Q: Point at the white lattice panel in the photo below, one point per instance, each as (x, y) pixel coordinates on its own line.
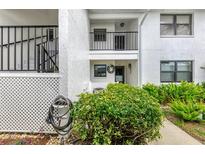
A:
(24, 103)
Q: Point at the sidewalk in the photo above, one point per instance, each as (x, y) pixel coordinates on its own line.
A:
(173, 135)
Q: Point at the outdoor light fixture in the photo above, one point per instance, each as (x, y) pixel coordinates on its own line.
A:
(130, 67)
(122, 24)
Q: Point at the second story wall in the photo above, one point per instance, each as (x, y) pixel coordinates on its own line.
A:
(156, 48)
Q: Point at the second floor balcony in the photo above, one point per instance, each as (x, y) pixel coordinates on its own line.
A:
(116, 41)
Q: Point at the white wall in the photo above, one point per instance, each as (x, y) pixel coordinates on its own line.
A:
(28, 17)
(74, 52)
(156, 48)
(131, 76)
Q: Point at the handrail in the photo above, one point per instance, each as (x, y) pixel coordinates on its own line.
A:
(12, 43)
(50, 58)
(26, 26)
(23, 42)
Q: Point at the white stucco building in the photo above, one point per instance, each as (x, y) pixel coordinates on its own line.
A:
(44, 53)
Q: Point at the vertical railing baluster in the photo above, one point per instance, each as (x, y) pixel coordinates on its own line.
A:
(42, 59)
(21, 48)
(38, 58)
(136, 35)
(14, 48)
(47, 56)
(55, 45)
(34, 48)
(2, 41)
(28, 48)
(8, 48)
(42, 52)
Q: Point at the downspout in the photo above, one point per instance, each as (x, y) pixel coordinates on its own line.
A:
(140, 51)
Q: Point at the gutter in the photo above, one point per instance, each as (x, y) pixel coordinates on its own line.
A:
(140, 52)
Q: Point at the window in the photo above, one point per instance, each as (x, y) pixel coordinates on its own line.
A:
(50, 34)
(100, 70)
(176, 71)
(99, 34)
(176, 24)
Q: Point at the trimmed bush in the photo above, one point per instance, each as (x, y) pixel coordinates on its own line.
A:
(121, 114)
(189, 111)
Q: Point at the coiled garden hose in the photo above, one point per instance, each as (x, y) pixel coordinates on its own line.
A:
(59, 115)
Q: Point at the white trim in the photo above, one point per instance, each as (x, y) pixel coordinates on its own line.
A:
(29, 75)
(108, 52)
(176, 36)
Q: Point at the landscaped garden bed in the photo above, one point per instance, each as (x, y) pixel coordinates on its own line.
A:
(27, 139)
(195, 129)
(123, 114)
(183, 104)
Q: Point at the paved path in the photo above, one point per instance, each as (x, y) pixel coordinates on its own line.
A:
(173, 135)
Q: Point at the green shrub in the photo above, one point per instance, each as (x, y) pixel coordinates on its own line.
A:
(152, 89)
(203, 84)
(189, 111)
(121, 114)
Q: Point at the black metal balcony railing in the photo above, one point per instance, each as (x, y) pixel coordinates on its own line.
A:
(29, 48)
(114, 41)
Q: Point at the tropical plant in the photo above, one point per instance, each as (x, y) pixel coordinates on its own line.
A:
(189, 111)
(120, 114)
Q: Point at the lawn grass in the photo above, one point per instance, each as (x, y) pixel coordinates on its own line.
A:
(195, 129)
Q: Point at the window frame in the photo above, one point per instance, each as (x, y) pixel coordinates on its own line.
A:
(174, 24)
(104, 35)
(175, 70)
(95, 65)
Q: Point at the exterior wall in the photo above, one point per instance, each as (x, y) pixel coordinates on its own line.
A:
(74, 52)
(156, 48)
(131, 76)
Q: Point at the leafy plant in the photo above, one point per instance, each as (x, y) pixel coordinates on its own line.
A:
(152, 89)
(184, 91)
(120, 114)
(189, 111)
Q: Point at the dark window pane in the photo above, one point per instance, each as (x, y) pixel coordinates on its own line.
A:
(183, 19)
(167, 76)
(100, 70)
(183, 30)
(183, 76)
(166, 29)
(99, 34)
(184, 66)
(167, 66)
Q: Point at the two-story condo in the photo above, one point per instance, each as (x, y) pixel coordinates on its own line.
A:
(44, 53)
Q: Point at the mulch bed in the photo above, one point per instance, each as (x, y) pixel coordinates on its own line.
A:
(36, 139)
(27, 139)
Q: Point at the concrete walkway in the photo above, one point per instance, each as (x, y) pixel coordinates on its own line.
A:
(173, 135)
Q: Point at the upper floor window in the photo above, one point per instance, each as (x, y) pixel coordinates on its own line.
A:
(175, 24)
(99, 34)
(176, 71)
